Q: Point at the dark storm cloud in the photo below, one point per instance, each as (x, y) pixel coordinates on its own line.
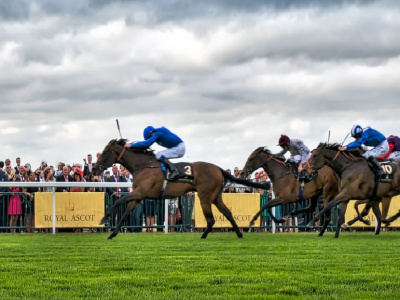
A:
(228, 76)
(164, 11)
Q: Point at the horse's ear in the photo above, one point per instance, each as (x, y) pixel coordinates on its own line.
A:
(121, 142)
(266, 150)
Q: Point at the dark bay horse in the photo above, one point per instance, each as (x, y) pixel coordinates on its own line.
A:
(357, 179)
(149, 179)
(285, 184)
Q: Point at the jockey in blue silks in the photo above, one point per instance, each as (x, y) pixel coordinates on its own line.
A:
(162, 136)
(372, 138)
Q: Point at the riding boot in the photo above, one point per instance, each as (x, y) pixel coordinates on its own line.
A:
(173, 170)
(378, 168)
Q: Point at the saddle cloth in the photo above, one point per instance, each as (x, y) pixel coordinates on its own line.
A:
(185, 172)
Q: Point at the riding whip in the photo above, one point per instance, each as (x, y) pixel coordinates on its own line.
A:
(329, 135)
(119, 129)
(344, 139)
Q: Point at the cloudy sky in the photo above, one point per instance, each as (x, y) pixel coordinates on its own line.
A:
(227, 76)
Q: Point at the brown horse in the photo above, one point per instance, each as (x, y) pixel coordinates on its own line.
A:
(357, 179)
(285, 184)
(149, 183)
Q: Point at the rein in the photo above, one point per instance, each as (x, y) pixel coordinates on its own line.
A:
(275, 159)
(122, 153)
(349, 156)
(146, 165)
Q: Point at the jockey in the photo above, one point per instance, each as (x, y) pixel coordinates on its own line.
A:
(162, 136)
(299, 152)
(372, 138)
(394, 149)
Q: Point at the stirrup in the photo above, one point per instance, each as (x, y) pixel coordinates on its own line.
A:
(172, 174)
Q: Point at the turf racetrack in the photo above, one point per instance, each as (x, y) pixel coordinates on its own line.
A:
(181, 266)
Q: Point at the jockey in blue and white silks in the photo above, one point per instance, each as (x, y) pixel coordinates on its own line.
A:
(163, 137)
(372, 138)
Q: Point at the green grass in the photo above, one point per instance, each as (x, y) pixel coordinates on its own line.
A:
(181, 266)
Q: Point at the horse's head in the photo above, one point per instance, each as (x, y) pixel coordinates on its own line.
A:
(255, 161)
(320, 155)
(109, 156)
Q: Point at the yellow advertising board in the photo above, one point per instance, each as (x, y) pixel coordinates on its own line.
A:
(73, 210)
(393, 209)
(242, 206)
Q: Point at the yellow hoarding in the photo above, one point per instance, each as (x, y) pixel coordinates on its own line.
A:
(242, 206)
(73, 210)
(393, 209)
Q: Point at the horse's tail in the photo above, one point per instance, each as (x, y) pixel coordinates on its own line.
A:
(231, 178)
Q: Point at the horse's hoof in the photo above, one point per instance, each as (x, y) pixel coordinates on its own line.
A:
(103, 221)
(251, 224)
(110, 238)
(345, 226)
(310, 224)
(367, 222)
(240, 236)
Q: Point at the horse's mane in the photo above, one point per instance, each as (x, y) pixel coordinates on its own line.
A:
(122, 143)
(268, 151)
(335, 146)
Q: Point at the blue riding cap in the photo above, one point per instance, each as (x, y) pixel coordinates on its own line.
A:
(357, 129)
(147, 131)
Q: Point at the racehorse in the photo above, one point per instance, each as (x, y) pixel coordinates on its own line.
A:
(149, 182)
(285, 184)
(358, 181)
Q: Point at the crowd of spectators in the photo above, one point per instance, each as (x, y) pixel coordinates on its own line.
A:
(17, 204)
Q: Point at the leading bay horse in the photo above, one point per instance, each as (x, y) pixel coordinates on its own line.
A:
(357, 179)
(286, 187)
(149, 183)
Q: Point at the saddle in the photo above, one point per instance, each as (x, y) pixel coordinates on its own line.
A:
(185, 172)
(303, 176)
(389, 169)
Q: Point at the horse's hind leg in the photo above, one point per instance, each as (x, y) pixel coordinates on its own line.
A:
(209, 218)
(360, 216)
(129, 209)
(227, 213)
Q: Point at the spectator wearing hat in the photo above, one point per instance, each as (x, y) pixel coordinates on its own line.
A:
(78, 177)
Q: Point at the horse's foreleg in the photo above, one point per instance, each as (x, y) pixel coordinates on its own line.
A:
(129, 209)
(341, 216)
(269, 205)
(327, 220)
(341, 197)
(310, 207)
(378, 216)
(122, 200)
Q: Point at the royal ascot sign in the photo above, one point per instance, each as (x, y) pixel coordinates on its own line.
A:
(73, 210)
(243, 208)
